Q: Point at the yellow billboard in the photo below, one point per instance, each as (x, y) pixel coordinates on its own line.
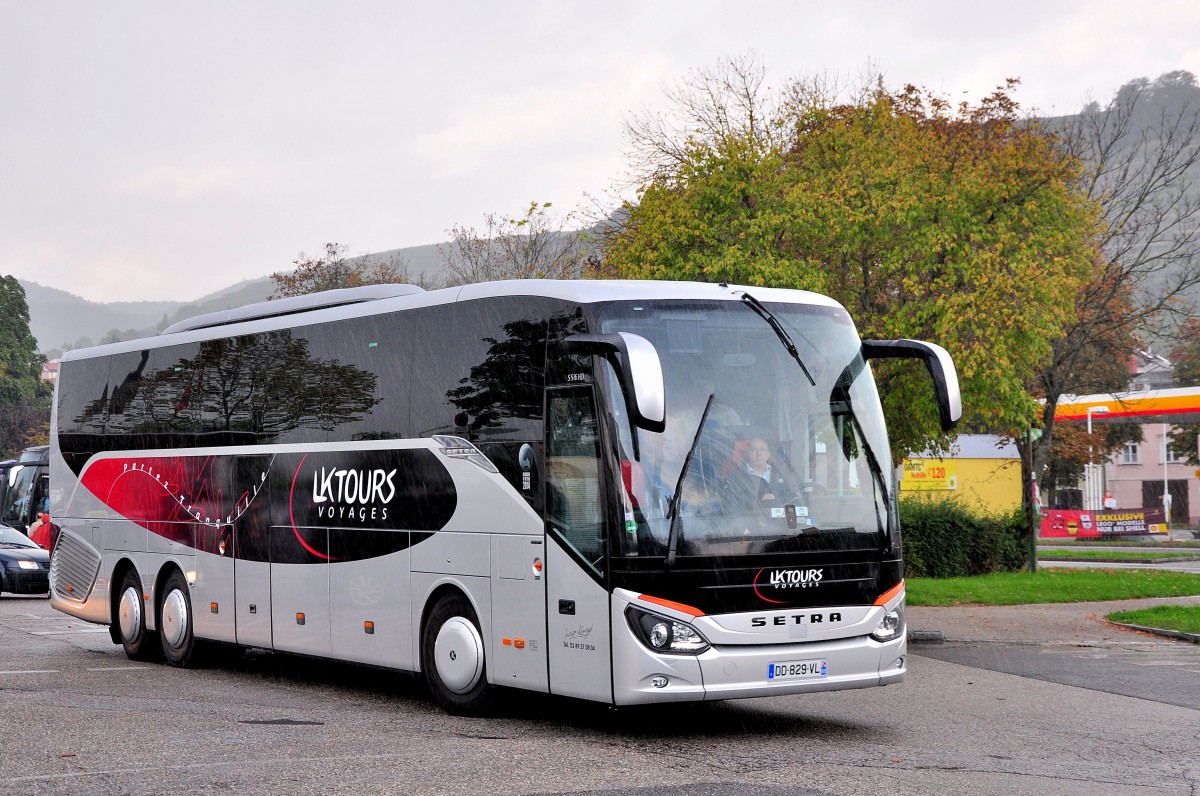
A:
(930, 474)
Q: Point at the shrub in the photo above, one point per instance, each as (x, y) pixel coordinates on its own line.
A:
(944, 539)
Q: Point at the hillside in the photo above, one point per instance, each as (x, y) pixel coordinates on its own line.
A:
(60, 320)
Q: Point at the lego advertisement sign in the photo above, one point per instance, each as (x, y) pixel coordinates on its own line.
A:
(1064, 524)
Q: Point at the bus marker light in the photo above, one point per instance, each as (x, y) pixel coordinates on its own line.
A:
(506, 642)
(299, 619)
(887, 596)
(519, 643)
(369, 628)
(213, 607)
(537, 568)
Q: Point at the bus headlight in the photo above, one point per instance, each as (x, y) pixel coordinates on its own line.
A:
(664, 635)
(890, 626)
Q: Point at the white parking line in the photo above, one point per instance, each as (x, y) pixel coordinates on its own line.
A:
(68, 632)
(120, 669)
(31, 671)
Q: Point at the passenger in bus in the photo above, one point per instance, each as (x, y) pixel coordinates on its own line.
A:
(698, 494)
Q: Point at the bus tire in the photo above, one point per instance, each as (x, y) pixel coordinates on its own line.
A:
(452, 657)
(138, 642)
(175, 622)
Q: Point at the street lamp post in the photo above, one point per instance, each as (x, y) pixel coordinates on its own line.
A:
(1166, 480)
(1091, 496)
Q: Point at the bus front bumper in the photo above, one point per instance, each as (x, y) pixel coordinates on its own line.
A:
(739, 672)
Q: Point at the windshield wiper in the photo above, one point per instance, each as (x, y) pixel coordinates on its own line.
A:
(676, 499)
(780, 332)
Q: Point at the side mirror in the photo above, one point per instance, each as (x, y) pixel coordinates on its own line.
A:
(639, 370)
(937, 361)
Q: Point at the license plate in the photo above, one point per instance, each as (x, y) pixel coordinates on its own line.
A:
(796, 669)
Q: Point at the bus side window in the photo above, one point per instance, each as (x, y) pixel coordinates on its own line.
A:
(572, 473)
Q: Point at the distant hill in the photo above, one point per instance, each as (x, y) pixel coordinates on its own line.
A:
(60, 320)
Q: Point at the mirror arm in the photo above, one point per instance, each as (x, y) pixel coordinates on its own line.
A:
(609, 346)
(937, 362)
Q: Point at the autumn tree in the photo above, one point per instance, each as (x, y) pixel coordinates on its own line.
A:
(335, 271)
(1140, 158)
(1185, 437)
(957, 224)
(536, 245)
(24, 398)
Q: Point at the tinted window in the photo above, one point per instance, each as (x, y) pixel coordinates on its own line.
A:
(82, 407)
(151, 397)
(363, 370)
(479, 369)
(274, 387)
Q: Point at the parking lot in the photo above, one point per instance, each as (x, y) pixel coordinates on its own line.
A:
(80, 718)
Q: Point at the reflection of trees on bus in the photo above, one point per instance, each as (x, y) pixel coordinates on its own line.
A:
(508, 382)
(261, 385)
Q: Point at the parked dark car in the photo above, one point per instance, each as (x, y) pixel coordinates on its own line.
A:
(24, 567)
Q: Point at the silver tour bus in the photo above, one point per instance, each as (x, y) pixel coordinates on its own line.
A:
(627, 492)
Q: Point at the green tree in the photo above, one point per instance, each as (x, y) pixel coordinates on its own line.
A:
(956, 224)
(24, 398)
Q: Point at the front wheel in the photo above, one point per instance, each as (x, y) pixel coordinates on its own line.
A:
(452, 657)
(175, 622)
(139, 643)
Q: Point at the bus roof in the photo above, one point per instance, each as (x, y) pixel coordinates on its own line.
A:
(324, 307)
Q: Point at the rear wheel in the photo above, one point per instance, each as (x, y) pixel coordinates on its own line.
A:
(139, 644)
(452, 657)
(175, 622)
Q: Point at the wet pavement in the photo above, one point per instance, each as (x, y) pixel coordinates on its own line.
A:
(1068, 643)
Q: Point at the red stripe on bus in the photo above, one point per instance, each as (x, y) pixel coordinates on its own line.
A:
(682, 608)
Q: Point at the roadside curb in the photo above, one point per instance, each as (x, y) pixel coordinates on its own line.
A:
(926, 637)
(1178, 560)
(1194, 638)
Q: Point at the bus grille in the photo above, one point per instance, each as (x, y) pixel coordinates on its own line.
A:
(73, 567)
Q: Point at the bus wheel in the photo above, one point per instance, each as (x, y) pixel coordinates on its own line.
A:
(139, 644)
(175, 621)
(452, 657)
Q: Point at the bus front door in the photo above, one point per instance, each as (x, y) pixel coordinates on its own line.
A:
(577, 604)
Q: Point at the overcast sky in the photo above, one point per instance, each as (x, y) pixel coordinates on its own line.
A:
(163, 150)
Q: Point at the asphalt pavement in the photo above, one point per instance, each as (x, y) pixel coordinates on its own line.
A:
(1067, 643)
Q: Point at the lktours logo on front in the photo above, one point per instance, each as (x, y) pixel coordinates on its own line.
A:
(352, 494)
(795, 578)
(783, 579)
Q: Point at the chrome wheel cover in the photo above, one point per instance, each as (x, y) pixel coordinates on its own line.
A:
(129, 614)
(458, 655)
(174, 619)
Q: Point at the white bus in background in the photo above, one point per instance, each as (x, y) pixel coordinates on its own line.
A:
(535, 484)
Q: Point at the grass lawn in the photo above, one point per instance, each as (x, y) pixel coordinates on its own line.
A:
(1183, 618)
(1051, 586)
(1115, 555)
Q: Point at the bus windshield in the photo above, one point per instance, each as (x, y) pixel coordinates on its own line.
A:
(753, 452)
